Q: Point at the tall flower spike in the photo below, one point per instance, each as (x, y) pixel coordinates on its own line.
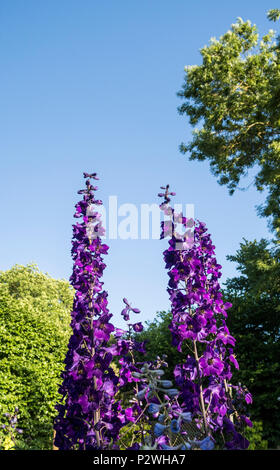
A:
(86, 410)
(199, 322)
(166, 194)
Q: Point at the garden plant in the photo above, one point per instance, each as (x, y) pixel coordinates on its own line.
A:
(111, 401)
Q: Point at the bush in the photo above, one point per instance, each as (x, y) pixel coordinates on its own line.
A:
(34, 333)
(255, 436)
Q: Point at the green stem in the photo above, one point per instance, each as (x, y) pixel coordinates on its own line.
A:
(96, 414)
(201, 399)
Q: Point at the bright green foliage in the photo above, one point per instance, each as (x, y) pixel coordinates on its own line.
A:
(254, 320)
(274, 14)
(232, 99)
(34, 333)
(132, 433)
(254, 436)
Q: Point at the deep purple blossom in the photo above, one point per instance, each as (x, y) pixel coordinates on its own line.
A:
(199, 321)
(87, 414)
(211, 364)
(126, 311)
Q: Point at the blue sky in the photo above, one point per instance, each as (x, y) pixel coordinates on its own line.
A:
(91, 86)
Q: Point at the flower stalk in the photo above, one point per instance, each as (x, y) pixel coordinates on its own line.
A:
(87, 410)
(199, 318)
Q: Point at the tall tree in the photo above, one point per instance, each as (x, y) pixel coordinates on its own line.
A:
(254, 320)
(233, 99)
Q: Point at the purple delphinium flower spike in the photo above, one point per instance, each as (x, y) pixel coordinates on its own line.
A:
(87, 415)
(199, 320)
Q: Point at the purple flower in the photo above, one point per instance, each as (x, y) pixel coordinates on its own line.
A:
(247, 421)
(109, 388)
(91, 175)
(125, 313)
(232, 359)
(129, 414)
(192, 327)
(248, 398)
(211, 364)
(237, 442)
(137, 327)
(225, 337)
(162, 440)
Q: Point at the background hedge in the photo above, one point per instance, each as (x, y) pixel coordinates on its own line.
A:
(34, 333)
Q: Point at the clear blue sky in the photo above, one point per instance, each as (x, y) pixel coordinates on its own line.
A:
(91, 86)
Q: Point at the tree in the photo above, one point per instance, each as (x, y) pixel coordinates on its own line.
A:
(234, 97)
(254, 320)
(34, 333)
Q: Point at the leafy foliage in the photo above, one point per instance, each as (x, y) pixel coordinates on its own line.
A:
(274, 14)
(34, 332)
(254, 435)
(233, 96)
(255, 321)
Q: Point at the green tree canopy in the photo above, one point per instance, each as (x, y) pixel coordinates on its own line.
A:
(254, 320)
(34, 333)
(232, 100)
